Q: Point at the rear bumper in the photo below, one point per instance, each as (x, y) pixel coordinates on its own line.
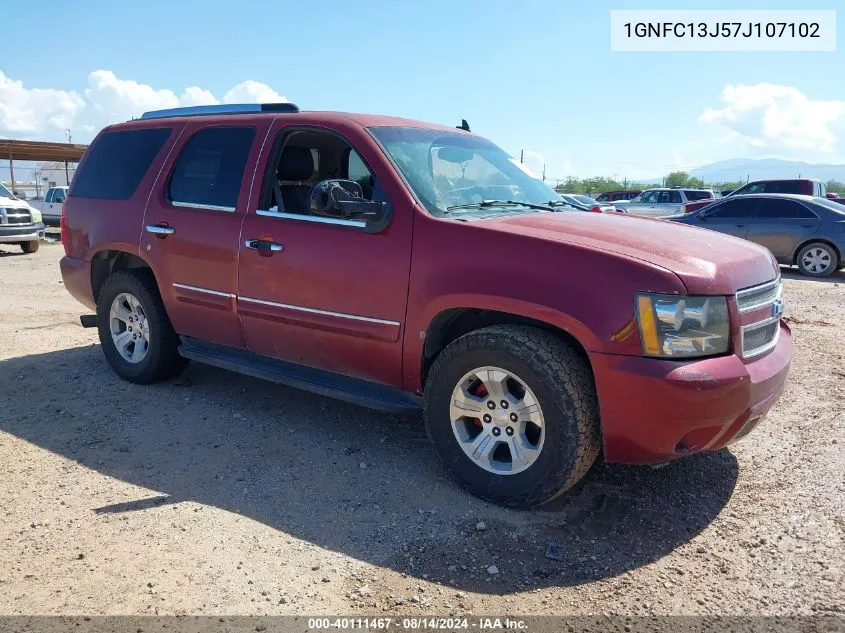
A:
(12, 233)
(655, 410)
(76, 274)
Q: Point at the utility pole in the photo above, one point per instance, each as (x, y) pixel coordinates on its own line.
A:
(67, 133)
(521, 155)
(544, 172)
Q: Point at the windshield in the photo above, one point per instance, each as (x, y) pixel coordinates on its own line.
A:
(5, 193)
(447, 170)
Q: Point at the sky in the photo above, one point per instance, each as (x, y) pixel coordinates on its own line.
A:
(535, 76)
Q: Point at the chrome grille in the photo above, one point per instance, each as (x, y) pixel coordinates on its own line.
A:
(761, 336)
(15, 216)
(759, 296)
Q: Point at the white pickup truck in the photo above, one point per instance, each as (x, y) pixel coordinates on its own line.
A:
(51, 206)
(19, 223)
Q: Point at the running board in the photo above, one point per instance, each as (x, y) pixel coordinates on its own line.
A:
(354, 390)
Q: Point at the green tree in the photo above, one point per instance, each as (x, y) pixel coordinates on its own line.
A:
(834, 186)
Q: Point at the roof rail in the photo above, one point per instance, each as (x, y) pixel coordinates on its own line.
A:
(226, 108)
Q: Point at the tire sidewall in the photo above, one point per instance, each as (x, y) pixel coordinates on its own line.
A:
(112, 288)
(834, 263)
(558, 456)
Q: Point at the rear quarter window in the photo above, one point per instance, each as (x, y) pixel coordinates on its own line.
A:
(117, 162)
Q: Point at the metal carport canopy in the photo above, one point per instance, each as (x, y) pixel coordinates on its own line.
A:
(41, 151)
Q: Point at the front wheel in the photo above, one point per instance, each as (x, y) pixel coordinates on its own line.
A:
(817, 260)
(136, 335)
(513, 414)
(30, 246)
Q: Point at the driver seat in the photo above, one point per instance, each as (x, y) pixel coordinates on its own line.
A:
(296, 165)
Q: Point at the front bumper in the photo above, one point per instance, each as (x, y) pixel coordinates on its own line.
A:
(657, 410)
(13, 233)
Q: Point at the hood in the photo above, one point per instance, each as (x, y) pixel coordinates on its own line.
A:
(707, 262)
(13, 203)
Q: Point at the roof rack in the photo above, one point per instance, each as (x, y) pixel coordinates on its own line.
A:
(227, 108)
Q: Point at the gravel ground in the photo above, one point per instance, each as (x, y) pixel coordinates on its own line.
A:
(220, 494)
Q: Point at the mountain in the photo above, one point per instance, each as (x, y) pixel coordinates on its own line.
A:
(762, 169)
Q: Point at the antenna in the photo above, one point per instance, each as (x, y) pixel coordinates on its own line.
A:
(464, 126)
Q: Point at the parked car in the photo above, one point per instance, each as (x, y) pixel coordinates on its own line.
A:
(19, 223)
(358, 257)
(802, 186)
(619, 196)
(665, 201)
(588, 202)
(799, 230)
(51, 206)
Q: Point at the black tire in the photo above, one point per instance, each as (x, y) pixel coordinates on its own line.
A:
(162, 360)
(31, 246)
(831, 252)
(563, 385)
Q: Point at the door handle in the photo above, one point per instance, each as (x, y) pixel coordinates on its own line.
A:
(740, 225)
(265, 246)
(159, 229)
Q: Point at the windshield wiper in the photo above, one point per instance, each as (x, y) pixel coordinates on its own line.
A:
(500, 203)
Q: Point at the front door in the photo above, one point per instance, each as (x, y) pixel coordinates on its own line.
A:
(324, 292)
(192, 226)
(731, 216)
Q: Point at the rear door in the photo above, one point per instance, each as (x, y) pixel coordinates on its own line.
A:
(192, 226)
(732, 216)
(781, 225)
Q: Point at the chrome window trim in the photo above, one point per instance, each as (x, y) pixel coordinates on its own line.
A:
(342, 315)
(776, 283)
(359, 224)
(205, 207)
(216, 293)
(754, 326)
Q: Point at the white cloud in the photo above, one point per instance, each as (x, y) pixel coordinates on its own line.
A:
(253, 92)
(35, 111)
(45, 113)
(775, 118)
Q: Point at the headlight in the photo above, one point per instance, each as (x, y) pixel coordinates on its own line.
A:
(673, 326)
(36, 215)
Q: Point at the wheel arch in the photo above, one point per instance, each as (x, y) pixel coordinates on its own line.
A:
(106, 262)
(452, 323)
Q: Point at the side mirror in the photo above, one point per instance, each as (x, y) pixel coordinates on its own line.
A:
(344, 199)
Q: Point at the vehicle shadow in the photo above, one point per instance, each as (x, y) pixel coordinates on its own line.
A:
(791, 272)
(347, 479)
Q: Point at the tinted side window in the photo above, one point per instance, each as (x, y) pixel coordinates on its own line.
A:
(733, 209)
(49, 196)
(698, 195)
(211, 167)
(603, 198)
(116, 163)
(783, 186)
(783, 209)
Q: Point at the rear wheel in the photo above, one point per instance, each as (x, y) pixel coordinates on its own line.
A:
(817, 260)
(30, 247)
(136, 335)
(513, 414)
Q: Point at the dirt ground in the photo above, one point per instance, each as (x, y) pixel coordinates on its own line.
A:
(220, 494)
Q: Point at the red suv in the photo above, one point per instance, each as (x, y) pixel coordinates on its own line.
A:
(802, 186)
(407, 266)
